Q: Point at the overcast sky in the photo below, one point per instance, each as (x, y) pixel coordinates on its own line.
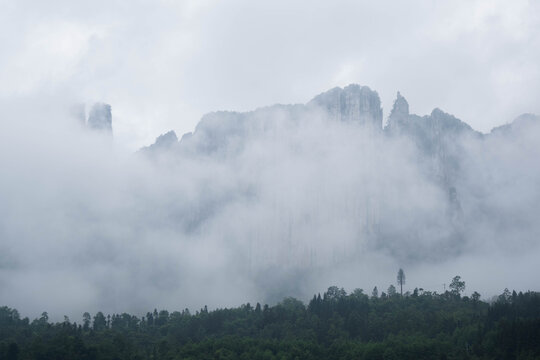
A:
(163, 64)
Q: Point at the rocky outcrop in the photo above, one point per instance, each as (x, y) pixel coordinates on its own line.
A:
(399, 114)
(164, 142)
(100, 118)
(354, 103)
(437, 149)
(225, 132)
(437, 137)
(522, 123)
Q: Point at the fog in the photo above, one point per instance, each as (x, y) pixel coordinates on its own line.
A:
(263, 203)
(163, 64)
(253, 207)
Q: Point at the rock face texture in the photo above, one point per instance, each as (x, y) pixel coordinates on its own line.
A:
(436, 137)
(439, 139)
(226, 131)
(100, 118)
(354, 103)
(522, 123)
(399, 114)
(164, 142)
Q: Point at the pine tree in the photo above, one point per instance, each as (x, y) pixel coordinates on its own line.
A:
(401, 280)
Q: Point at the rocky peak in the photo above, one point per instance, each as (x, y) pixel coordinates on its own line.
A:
(163, 142)
(399, 113)
(354, 103)
(448, 124)
(100, 117)
(166, 140)
(522, 123)
(438, 113)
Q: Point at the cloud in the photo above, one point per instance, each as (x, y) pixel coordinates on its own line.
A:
(280, 201)
(90, 227)
(164, 64)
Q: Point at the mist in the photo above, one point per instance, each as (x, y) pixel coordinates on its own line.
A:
(252, 207)
(164, 64)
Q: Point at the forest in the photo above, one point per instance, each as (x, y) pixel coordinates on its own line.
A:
(335, 325)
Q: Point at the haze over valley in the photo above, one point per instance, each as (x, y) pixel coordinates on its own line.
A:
(255, 206)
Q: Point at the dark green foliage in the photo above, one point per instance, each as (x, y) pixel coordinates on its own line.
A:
(457, 285)
(335, 325)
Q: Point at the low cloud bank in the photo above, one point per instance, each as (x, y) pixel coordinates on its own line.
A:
(285, 200)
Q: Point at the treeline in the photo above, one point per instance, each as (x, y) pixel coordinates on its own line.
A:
(336, 325)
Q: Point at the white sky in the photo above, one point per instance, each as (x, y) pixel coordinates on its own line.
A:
(163, 64)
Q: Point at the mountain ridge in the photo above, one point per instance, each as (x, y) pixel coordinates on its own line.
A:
(445, 152)
(341, 104)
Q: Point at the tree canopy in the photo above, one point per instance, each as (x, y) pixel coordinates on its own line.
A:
(336, 325)
(457, 285)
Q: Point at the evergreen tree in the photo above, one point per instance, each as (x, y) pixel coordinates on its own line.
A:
(391, 291)
(86, 321)
(100, 322)
(401, 280)
(457, 285)
(340, 325)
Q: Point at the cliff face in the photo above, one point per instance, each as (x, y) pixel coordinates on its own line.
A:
(399, 114)
(437, 137)
(225, 132)
(164, 142)
(520, 125)
(330, 163)
(100, 118)
(354, 103)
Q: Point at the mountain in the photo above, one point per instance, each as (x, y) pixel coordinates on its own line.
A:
(269, 203)
(99, 117)
(412, 184)
(434, 133)
(354, 103)
(163, 142)
(521, 125)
